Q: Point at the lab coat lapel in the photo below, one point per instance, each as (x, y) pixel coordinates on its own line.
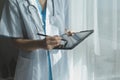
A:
(33, 12)
(51, 28)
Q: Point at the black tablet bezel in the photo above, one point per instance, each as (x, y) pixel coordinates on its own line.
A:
(91, 31)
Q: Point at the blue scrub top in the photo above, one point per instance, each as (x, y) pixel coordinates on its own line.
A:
(43, 13)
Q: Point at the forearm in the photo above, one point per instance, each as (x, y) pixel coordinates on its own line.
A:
(28, 45)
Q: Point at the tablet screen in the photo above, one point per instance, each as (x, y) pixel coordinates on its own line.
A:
(69, 42)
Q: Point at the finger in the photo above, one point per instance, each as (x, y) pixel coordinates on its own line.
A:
(70, 33)
(57, 42)
(49, 47)
(55, 38)
(53, 41)
(50, 44)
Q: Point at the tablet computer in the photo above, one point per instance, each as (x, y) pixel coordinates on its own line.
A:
(70, 42)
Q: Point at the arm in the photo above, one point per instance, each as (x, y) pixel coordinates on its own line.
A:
(10, 26)
(30, 45)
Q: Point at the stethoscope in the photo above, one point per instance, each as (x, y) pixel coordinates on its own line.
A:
(32, 6)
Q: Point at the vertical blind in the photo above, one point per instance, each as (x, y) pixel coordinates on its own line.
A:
(96, 58)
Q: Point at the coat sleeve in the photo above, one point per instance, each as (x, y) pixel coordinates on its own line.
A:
(10, 23)
(67, 14)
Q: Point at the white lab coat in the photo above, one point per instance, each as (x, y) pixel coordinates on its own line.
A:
(17, 22)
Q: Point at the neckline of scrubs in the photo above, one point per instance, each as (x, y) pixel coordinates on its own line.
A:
(43, 13)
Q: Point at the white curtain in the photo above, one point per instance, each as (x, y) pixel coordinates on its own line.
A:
(98, 57)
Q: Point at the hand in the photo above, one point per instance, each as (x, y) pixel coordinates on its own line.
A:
(51, 42)
(69, 33)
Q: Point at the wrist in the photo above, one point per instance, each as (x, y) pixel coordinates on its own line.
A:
(42, 43)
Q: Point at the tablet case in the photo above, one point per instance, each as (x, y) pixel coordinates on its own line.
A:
(70, 42)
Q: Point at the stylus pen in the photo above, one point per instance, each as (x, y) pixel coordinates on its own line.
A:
(41, 34)
(47, 35)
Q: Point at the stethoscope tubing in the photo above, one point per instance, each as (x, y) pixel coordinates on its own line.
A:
(53, 7)
(32, 6)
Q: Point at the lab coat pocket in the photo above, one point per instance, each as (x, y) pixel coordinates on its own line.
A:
(23, 69)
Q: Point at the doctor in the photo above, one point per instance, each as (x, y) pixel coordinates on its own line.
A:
(22, 20)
